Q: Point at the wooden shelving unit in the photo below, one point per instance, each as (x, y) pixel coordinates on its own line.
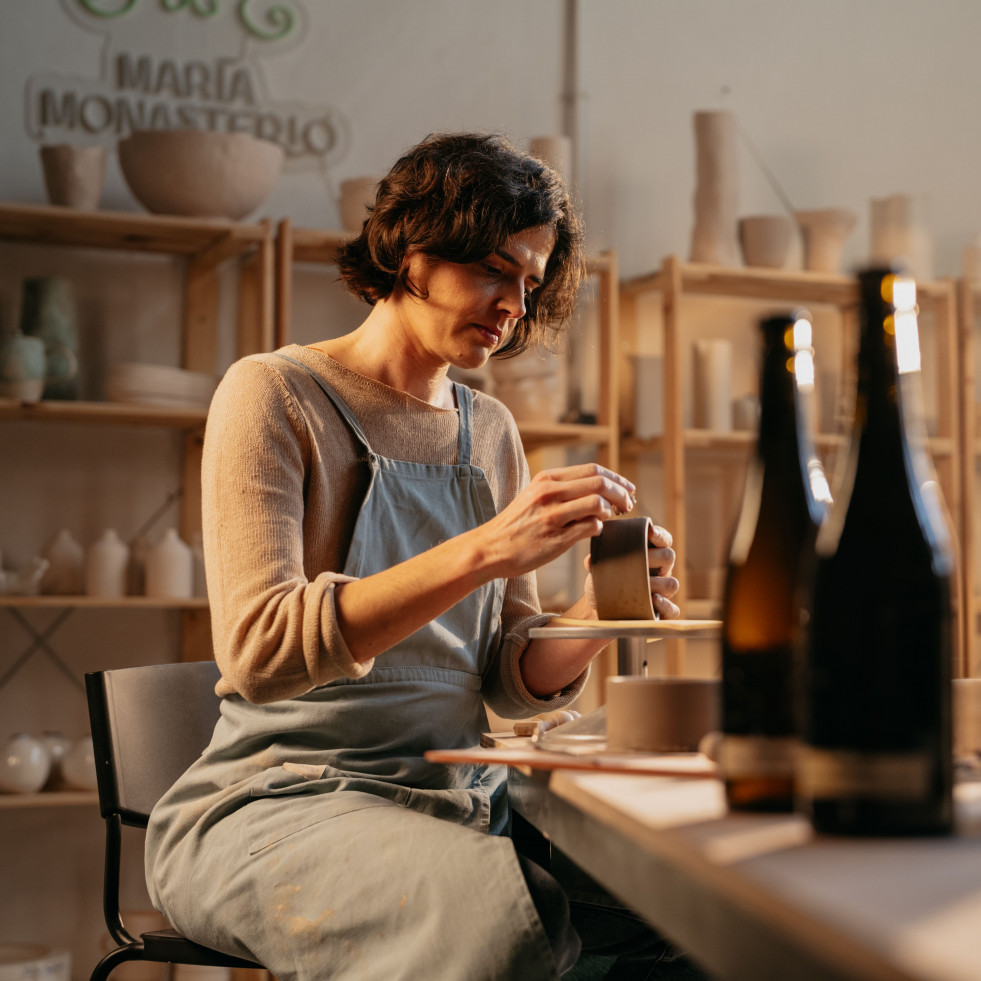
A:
(675, 282)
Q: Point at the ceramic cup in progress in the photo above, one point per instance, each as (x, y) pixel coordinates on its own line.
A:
(660, 715)
(621, 575)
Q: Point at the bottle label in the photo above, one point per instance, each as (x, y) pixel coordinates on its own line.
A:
(824, 773)
(758, 756)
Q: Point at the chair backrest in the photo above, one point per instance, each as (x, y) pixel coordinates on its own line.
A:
(148, 725)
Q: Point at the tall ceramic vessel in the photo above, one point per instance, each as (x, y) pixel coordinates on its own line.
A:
(714, 237)
(48, 312)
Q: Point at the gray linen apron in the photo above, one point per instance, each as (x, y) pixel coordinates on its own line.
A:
(314, 836)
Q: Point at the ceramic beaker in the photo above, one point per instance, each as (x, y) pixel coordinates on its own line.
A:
(48, 313)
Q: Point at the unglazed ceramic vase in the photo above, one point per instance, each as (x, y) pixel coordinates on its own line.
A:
(170, 568)
(825, 231)
(357, 195)
(765, 240)
(106, 566)
(714, 236)
(66, 570)
(898, 230)
(199, 173)
(74, 175)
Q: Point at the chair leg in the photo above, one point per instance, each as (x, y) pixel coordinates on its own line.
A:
(113, 959)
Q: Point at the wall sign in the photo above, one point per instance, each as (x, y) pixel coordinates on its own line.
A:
(184, 64)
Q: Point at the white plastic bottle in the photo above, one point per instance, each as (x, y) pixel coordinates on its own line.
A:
(106, 564)
(170, 568)
(66, 573)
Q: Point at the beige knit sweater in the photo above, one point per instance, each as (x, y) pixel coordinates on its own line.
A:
(283, 479)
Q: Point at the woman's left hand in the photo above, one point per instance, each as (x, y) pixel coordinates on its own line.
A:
(660, 560)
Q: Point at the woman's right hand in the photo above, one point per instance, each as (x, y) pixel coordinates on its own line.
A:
(556, 509)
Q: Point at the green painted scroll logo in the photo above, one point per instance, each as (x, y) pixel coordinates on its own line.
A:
(276, 23)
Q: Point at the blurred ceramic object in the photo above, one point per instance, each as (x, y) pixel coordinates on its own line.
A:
(78, 765)
(48, 312)
(170, 568)
(201, 972)
(899, 231)
(28, 580)
(66, 566)
(106, 565)
(357, 196)
(712, 407)
(765, 240)
(34, 962)
(824, 231)
(716, 198)
(556, 151)
(199, 173)
(660, 715)
(534, 399)
(22, 367)
(648, 395)
(58, 746)
(74, 175)
(746, 413)
(24, 764)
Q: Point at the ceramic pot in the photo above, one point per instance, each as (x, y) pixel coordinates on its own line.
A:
(22, 367)
(74, 175)
(712, 402)
(106, 565)
(24, 764)
(357, 196)
(556, 151)
(78, 765)
(58, 746)
(765, 240)
(660, 715)
(716, 197)
(48, 312)
(170, 568)
(66, 570)
(899, 231)
(824, 231)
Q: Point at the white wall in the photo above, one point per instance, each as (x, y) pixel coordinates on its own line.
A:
(845, 99)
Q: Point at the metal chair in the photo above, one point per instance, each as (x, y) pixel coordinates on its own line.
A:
(148, 725)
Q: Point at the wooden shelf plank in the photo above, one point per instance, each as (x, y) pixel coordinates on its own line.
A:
(119, 413)
(102, 603)
(316, 245)
(539, 435)
(50, 798)
(51, 225)
(771, 284)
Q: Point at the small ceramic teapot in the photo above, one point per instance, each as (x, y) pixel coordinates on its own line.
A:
(24, 362)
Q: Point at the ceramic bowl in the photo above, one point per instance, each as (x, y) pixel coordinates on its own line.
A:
(199, 173)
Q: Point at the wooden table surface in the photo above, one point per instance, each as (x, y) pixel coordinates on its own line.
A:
(761, 897)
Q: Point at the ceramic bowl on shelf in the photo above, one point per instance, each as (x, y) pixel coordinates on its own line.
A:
(199, 173)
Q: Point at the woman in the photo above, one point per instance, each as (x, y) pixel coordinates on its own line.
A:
(371, 537)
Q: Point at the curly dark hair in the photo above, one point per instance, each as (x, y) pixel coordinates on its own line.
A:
(459, 197)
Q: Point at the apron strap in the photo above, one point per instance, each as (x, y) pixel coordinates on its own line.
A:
(342, 407)
(464, 402)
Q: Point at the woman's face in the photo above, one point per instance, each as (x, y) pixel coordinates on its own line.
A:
(469, 308)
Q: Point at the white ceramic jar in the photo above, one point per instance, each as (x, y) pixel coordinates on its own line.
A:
(106, 564)
(78, 765)
(66, 572)
(170, 568)
(24, 764)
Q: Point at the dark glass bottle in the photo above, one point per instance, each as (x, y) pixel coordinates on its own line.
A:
(876, 753)
(785, 501)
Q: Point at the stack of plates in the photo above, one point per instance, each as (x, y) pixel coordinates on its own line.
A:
(154, 384)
